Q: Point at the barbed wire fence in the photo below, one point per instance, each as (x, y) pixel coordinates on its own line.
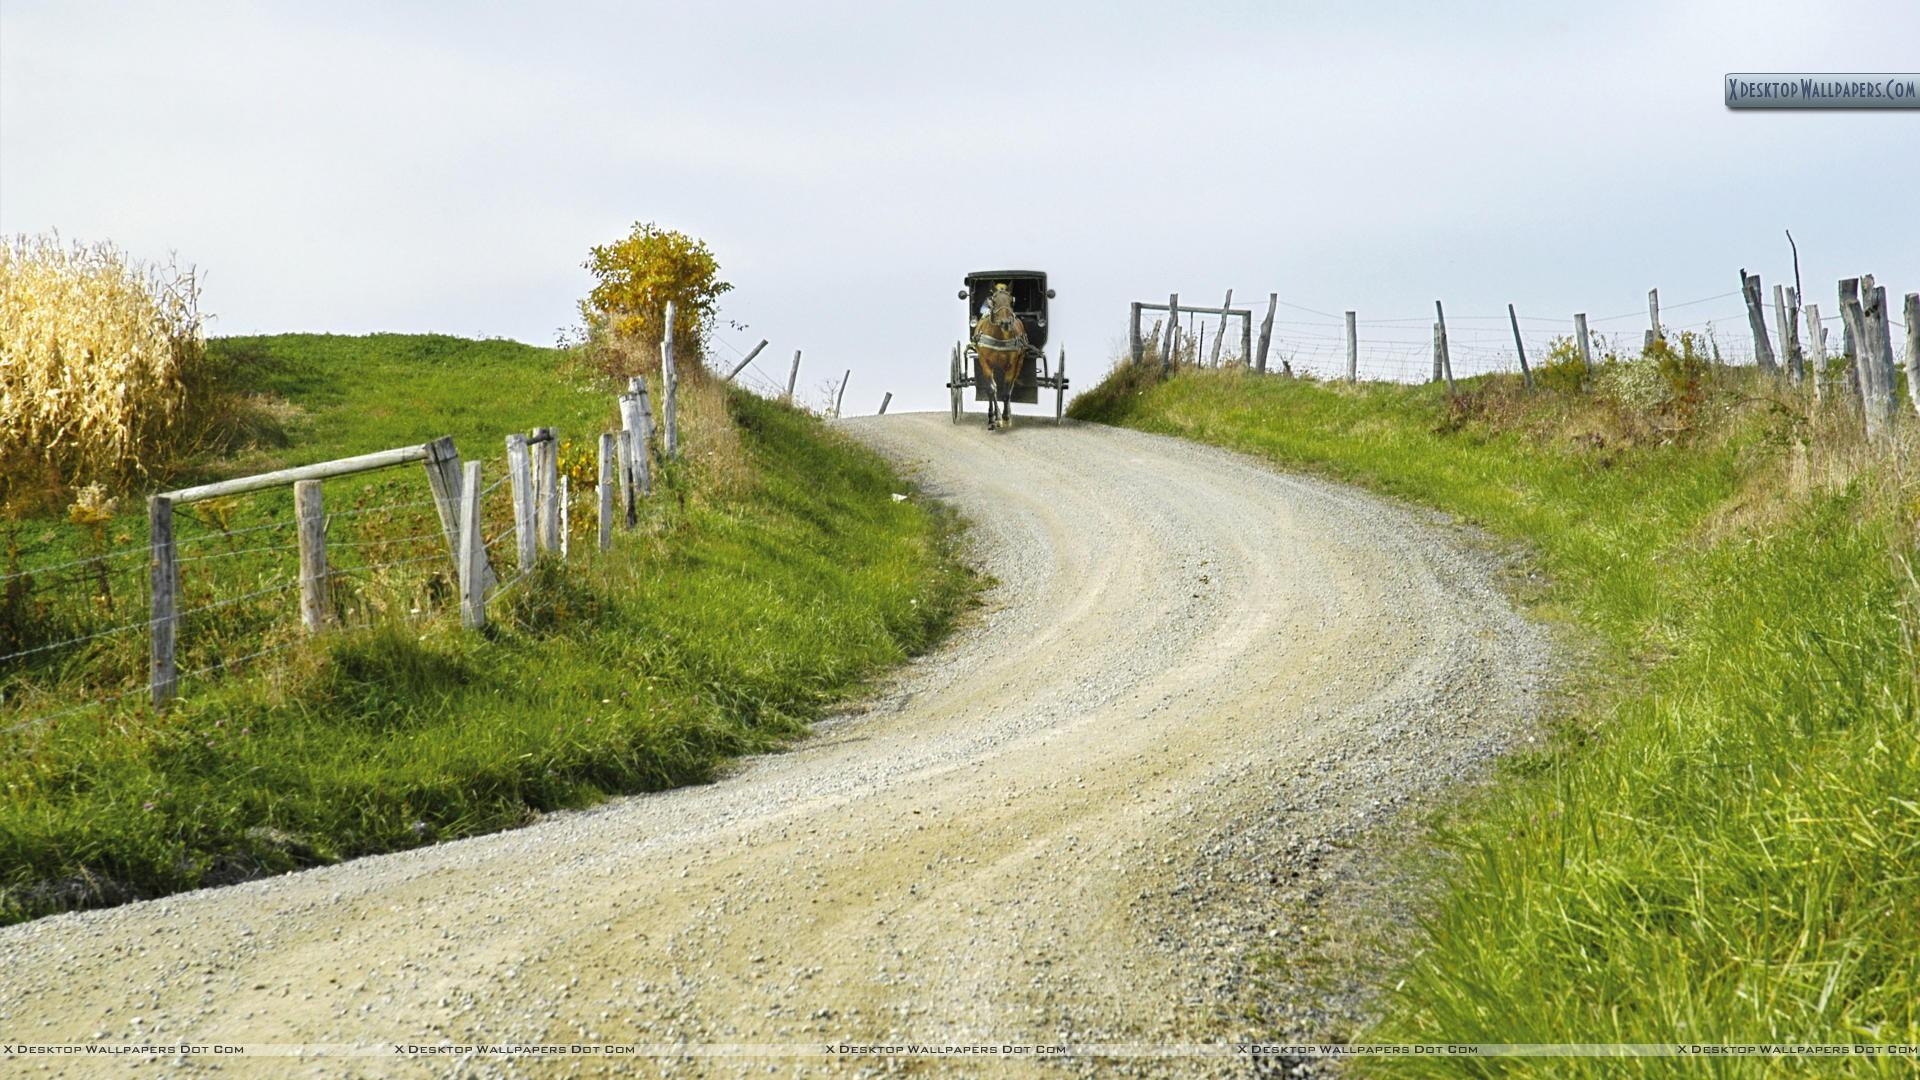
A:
(231, 573)
(1732, 328)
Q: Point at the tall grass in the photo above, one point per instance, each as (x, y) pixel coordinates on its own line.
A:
(1723, 844)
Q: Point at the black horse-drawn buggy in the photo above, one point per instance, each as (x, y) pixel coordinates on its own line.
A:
(1004, 354)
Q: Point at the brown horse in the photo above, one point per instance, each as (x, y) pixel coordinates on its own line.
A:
(1000, 338)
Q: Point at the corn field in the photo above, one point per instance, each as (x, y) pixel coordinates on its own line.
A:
(97, 356)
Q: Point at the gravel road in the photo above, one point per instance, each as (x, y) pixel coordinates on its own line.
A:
(1154, 758)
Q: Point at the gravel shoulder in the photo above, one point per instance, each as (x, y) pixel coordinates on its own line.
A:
(1196, 687)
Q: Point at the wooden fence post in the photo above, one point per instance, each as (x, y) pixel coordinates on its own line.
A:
(629, 499)
(1526, 373)
(565, 524)
(1865, 367)
(1173, 332)
(742, 365)
(1353, 348)
(636, 469)
(520, 474)
(1876, 312)
(842, 395)
(163, 678)
(311, 516)
(1221, 334)
(884, 401)
(1135, 347)
(792, 375)
(1266, 332)
(546, 487)
(1786, 303)
(609, 457)
(473, 551)
(1757, 320)
(1586, 342)
(669, 392)
(1816, 361)
(1911, 311)
(1653, 318)
(1200, 349)
(1446, 357)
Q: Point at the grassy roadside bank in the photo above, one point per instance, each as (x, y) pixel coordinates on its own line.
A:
(1724, 847)
(759, 590)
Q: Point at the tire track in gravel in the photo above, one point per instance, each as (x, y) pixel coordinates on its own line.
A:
(1070, 824)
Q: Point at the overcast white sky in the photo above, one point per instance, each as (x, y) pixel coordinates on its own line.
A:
(412, 166)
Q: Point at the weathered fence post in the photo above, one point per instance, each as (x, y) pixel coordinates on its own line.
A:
(884, 401)
(609, 457)
(565, 524)
(1865, 364)
(1173, 332)
(1653, 318)
(1876, 314)
(1435, 376)
(311, 517)
(1446, 357)
(1786, 310)
(1912, 312)
(1817, 345)
(842, 395)
(520, 474)
(1580, 333)
(1526, 373)
(1200, 349)
(633, 460)
(1221, 334)
(1266, 332)
(629, 498)
(1757, 320)
(1353, 347)
(748, 359)
(792, 374)
(643, 442)
(473, 552)
(546, 487)
(163, 618)
(669, 393)
(1135, 347)
(443, 479)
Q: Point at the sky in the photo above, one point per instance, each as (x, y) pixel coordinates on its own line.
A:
(400, 166)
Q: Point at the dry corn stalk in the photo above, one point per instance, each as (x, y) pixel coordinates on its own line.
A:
(94, 352)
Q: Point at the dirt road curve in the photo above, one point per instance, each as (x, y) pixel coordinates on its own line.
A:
(1196, 680)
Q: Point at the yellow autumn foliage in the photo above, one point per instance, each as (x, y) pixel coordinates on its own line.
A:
(97, 353)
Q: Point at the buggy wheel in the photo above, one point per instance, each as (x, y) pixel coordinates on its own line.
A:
(953, 382)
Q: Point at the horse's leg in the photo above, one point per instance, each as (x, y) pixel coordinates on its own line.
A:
(1006, 405)
(993, 398)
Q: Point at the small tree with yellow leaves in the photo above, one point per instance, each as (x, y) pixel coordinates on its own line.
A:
(636, 275)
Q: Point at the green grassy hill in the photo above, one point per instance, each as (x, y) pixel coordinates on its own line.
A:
(1723, 843)
(770, 575)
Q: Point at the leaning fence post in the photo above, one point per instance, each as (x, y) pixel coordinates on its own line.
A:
(1266, 332)
(669, 393)
(842, 395)
(1135, 347)
(1221, 334)
(1757, 320)
(605, 490)
(793, 374)
(884, 402)
(1526, 373)
(520, 475)
(1173, 332)
(748, 359)
(1440, 341)
(1586, 342)
(311, 515)
(163, 618)
(473, 551)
